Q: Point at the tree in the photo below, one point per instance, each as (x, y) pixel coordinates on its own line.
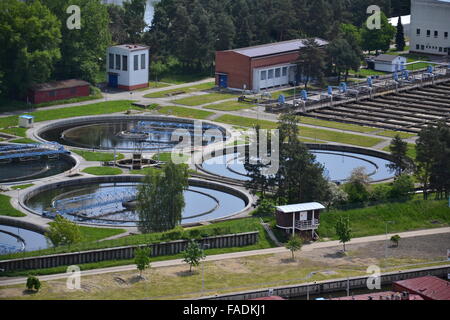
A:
(400, 161)
(33, 283)
(117, 26)
(63, 232)
(157, 68)
(134, 22)
(343, 230)
(30, 37)
(343, 57)
(142, 259)
(358, 185)
(311, 63)
(400, 36)
(193, 254)
(300, 177)
(294, 244)
(402, 187)
(266, 208)
(82, 50)
(378, 39)
(395, 240)
(160, 199)
(336, 195)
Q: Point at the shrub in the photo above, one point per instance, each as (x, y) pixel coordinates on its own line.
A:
(194, 234)
(395, 239)
(33, 283)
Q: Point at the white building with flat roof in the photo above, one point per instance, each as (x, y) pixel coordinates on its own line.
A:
(128, 66)
(430, 27)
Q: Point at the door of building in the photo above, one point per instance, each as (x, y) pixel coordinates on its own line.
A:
(113, 80)
(223, 80)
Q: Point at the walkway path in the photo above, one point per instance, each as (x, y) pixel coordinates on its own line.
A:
(168, 263)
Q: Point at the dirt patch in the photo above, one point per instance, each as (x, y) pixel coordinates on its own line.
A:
(235, 266)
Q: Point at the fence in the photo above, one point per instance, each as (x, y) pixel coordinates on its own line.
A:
(337, 285)
(123, 253)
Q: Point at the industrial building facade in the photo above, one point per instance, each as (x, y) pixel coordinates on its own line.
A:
(430, 27)
(259, 67)
(128, 66)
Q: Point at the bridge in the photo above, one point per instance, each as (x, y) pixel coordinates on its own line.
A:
(91, 201)
(26, 151)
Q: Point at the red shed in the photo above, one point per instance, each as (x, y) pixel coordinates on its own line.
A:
(429, 287)
(259, 67)
(58, 90)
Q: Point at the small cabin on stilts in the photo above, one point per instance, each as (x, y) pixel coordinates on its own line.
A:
(302, 219)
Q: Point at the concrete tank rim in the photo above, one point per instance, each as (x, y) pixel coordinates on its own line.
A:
(32, 191)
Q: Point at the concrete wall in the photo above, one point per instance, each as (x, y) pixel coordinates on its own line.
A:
(123, 253)
(326, 287)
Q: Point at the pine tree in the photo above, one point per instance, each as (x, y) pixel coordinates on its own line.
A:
(400, 36)
(400, 161)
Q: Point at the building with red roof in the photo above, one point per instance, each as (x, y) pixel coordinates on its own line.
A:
(58, 90)
(429, 287)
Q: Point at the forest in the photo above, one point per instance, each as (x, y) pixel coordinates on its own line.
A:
(36, 45)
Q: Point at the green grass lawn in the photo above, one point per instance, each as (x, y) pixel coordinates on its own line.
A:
(103, 171)
(24, 140)
(98, 156)
(185, 112)
(154, 85)
(93, 234)
(184, 78)
(69, 112)
(16, 131)
(336, 125)
(410, 215)
(312, 133)
(23, 186)
(6, 209)
(187, 89)
(230, 106)
(167, 156)
(204, 99)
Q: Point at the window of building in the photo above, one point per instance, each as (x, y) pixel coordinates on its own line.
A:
(418, 32)
(445, 49)
(284, 71)
(143, 64)
(436, 34)
(136, 62)
(125, 63)
(440, 49)
(417, 47)
(111, 61)
(428, 33)
(270, 74)
(117, 61)
(52, 93)
(422, 47)
(263, 75)
(445, 35)
(277, 73)
(73, 90)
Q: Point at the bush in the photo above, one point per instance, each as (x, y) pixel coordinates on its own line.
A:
(194, 234)
(395, 239)
(402, 187)
(33, 283)
(380, 192)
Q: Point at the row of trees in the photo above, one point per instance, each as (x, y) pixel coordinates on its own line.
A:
(192, 31)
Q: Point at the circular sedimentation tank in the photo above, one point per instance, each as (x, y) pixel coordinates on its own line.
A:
(109, 201)
(338, 161)
(129, 133)
(17, 239)
(33, 168)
